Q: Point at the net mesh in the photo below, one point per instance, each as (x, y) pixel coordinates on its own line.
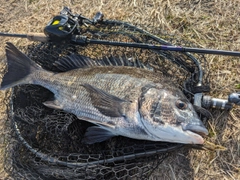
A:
(46, 143)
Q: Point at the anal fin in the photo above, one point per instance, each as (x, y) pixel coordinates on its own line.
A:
(96, 134)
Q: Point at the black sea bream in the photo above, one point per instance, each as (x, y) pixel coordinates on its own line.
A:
(119, 100)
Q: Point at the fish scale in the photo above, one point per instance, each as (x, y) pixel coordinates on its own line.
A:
(59, 85)
(121, 100)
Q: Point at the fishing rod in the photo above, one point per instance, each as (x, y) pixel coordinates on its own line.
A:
(67, 26)
(84, 40)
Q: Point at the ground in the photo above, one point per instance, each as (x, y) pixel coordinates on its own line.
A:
(206, 23)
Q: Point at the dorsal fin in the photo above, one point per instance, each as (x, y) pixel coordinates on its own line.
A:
(122, 61)
(75, 61)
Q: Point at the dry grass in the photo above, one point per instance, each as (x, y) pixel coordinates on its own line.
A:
(210, 24)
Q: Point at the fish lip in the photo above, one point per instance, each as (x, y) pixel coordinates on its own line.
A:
(196, 138)
(196, 128)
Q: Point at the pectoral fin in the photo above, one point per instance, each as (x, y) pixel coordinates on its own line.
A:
(106, 103)
(53, 104)
(96, 134)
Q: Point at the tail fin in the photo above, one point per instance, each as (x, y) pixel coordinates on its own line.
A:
(19, 67)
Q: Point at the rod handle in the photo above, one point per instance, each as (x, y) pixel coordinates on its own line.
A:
(37, 37)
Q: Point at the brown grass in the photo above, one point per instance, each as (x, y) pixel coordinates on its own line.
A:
(206, 23)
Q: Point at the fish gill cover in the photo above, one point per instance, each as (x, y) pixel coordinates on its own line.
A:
(47, 144)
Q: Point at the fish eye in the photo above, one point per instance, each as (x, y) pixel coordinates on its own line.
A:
(181, 105)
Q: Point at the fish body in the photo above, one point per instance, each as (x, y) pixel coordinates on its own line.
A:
(119, 100)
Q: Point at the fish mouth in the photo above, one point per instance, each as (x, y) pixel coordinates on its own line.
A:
(197, 129)
(195, 137)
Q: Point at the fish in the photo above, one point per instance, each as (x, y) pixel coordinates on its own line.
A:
(119, 97)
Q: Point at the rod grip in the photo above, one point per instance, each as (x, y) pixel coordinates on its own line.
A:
(37, 37)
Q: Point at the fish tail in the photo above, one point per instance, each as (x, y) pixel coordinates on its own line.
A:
(19, 67)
